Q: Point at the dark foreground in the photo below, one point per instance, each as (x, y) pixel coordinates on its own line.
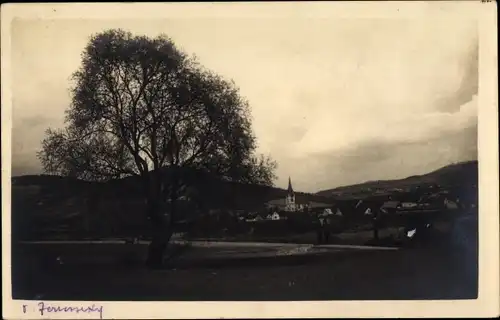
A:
(438, 273)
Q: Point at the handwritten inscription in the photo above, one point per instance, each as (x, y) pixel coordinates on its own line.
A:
(44, 308)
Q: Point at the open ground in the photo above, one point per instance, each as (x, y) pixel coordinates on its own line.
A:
(244, 271)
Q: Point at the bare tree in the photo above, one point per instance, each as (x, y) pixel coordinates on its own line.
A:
(141, 107)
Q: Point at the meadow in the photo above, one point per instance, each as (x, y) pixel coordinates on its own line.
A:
(102, 272)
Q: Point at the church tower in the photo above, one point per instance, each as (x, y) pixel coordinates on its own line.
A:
(290, 199)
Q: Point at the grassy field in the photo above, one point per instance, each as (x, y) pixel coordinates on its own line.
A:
(114, 272)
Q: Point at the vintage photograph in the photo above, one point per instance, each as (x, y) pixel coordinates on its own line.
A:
(257, 159)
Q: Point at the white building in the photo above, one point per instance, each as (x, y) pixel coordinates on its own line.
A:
(408, 205)
(327, 212)
(289, 203)
(450, 204)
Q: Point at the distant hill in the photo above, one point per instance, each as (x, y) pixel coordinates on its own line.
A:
(214, 192)
(52, 204)
(464, 173)
(47, 203)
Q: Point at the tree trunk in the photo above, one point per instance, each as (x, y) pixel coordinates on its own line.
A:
(155, 214)
(160, 235)
(162, 228)
(158, 245)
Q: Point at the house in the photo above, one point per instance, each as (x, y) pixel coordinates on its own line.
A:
(338, 212)
(467, 196)
(431, 200)
(255, 218)
(368, 212)
(439, 201)
(317, 207)
(275, 216)
(327, 211)
(332, 211)
(345, 207)
(368, 207)
(389, 206)
(424, 205)
(449, 204)
(279, 204)
(408, 205)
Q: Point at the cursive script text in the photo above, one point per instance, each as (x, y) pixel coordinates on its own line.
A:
(46, 308)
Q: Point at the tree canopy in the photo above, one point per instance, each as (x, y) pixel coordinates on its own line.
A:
(141, 104)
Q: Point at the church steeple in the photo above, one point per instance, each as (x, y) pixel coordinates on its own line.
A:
(290, 199)
(290, 189)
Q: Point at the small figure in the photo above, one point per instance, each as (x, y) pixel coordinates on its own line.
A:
(323, 231)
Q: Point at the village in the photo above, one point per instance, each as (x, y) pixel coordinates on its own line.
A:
(292, 217)
(360, 217)
(431, 198)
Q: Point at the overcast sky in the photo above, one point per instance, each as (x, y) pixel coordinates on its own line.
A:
(334, 101)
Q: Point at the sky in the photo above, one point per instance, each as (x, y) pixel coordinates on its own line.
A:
(334, 101)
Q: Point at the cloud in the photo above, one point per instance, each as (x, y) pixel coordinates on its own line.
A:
(419, 127)
(469, 83)
(333, 101)
(409, 144)
(379, 159)
(329, 134)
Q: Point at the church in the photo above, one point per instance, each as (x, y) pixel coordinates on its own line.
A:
(289, 203)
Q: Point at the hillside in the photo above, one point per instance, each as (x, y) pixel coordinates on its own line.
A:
(47, 204)
(213, 192)
(465, 173)
(52, 204)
